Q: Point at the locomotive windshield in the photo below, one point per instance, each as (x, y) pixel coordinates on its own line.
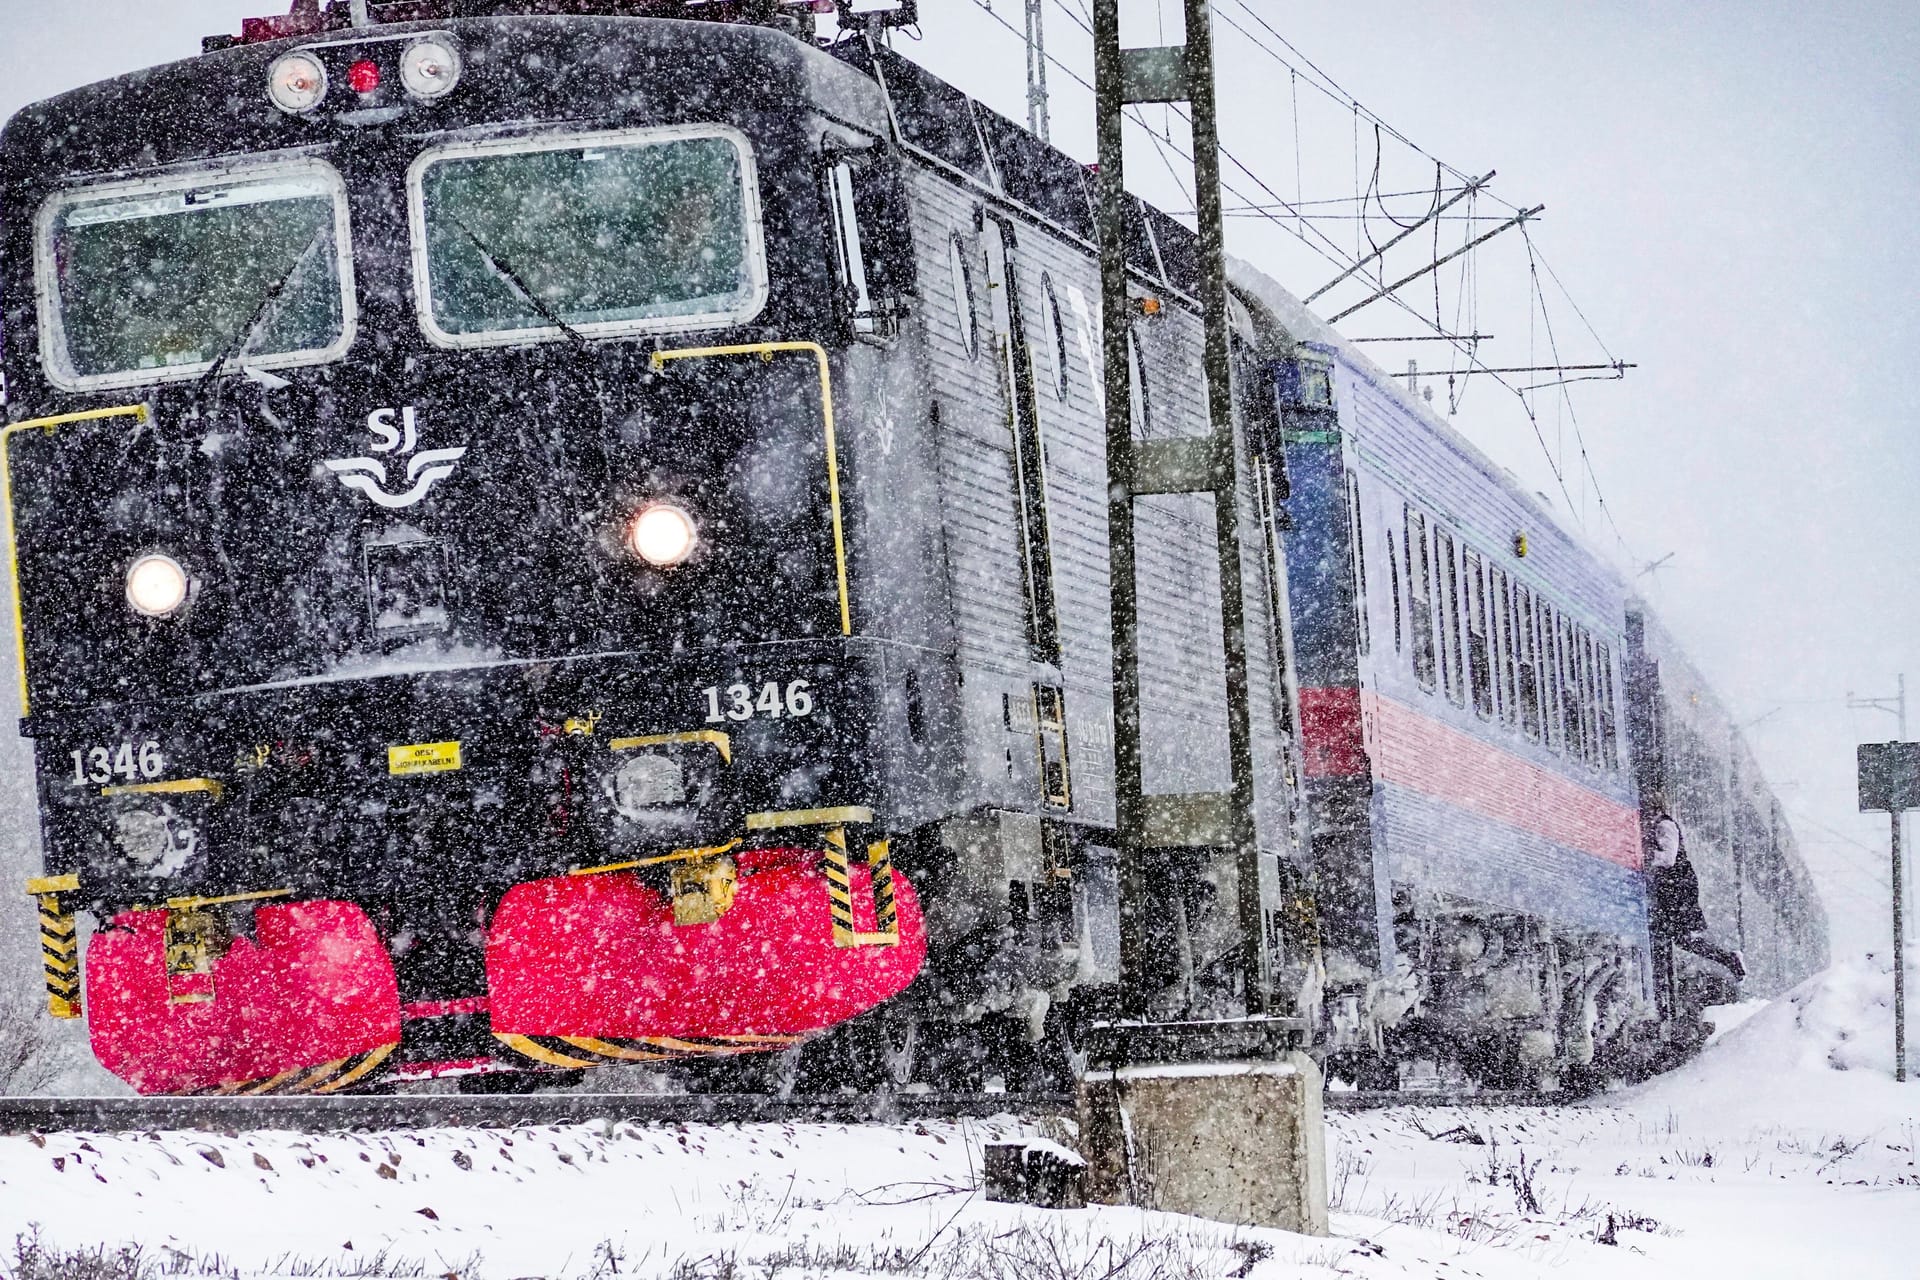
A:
(603, 233)
(158, 281)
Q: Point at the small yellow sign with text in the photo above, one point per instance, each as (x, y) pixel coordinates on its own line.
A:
(423, 757)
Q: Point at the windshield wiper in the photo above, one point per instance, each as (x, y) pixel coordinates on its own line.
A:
(506, 272)
(250, 327)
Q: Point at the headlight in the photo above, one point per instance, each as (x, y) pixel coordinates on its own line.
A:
(158, 841)
(297, 82)
(430, 67)
(156, 585)
(662, 534)
(645, 783)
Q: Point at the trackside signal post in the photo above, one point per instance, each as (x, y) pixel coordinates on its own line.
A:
(1890, 781)
(1137, 469)
(1223, 1118)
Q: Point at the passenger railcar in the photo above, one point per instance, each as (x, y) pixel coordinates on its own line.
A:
(1479, 718)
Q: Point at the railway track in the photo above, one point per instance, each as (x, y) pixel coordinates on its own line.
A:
(442, 1111)
(437, 1111)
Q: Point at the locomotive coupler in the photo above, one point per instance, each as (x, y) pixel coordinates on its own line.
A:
(200, 931)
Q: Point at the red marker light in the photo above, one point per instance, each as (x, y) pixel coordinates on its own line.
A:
(363, 77)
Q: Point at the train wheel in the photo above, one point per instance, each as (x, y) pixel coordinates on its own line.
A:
(1062, 1053)
(896, 1044)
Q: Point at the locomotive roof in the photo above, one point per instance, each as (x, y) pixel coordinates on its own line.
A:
(309, 18)
(145, 119)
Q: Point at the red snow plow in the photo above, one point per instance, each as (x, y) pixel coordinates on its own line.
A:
(743, 952)
(178, 1001)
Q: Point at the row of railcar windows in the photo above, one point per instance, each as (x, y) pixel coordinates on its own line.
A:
(1491, 642)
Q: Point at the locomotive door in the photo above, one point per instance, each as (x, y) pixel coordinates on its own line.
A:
(1014, 362)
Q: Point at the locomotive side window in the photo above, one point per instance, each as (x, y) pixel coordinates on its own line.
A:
(1057, 338)
(144, 282)
(849, 256)
(597, 233)
(873, 256)
(1420, 592)
(963, 296)
(1479, 647)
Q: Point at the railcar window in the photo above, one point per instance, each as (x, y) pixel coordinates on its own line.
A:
(1591, 703)
(1479, 648)
(1571, 702)
(1393, 584)
(151, 282)
(963, 296)
(1527, 652)
(603, 233)
(1420, 590)
(1609, 744)
(1503, 656)
(1543, 669)
(1356, 522)
(1449, 616)
(1556, 724)
(1580, 681)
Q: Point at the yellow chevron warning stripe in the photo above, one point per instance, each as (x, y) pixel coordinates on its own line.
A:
(59, 943)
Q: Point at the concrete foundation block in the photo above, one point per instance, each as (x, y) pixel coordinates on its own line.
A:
(1239, 1142)
(1035, 1172)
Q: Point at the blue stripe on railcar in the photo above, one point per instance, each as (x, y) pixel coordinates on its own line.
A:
(1438, 846)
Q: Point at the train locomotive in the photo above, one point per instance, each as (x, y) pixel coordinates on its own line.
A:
(555, 535)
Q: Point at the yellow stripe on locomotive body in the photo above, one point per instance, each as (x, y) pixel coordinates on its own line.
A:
(7, 434)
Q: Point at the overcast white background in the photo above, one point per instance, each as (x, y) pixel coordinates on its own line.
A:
(1730, 192)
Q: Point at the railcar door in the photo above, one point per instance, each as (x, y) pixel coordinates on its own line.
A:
(1014, 362)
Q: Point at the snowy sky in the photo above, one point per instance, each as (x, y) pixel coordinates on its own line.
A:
(1723, 184)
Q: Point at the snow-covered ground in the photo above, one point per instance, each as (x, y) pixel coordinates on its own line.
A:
(1786, 1150)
